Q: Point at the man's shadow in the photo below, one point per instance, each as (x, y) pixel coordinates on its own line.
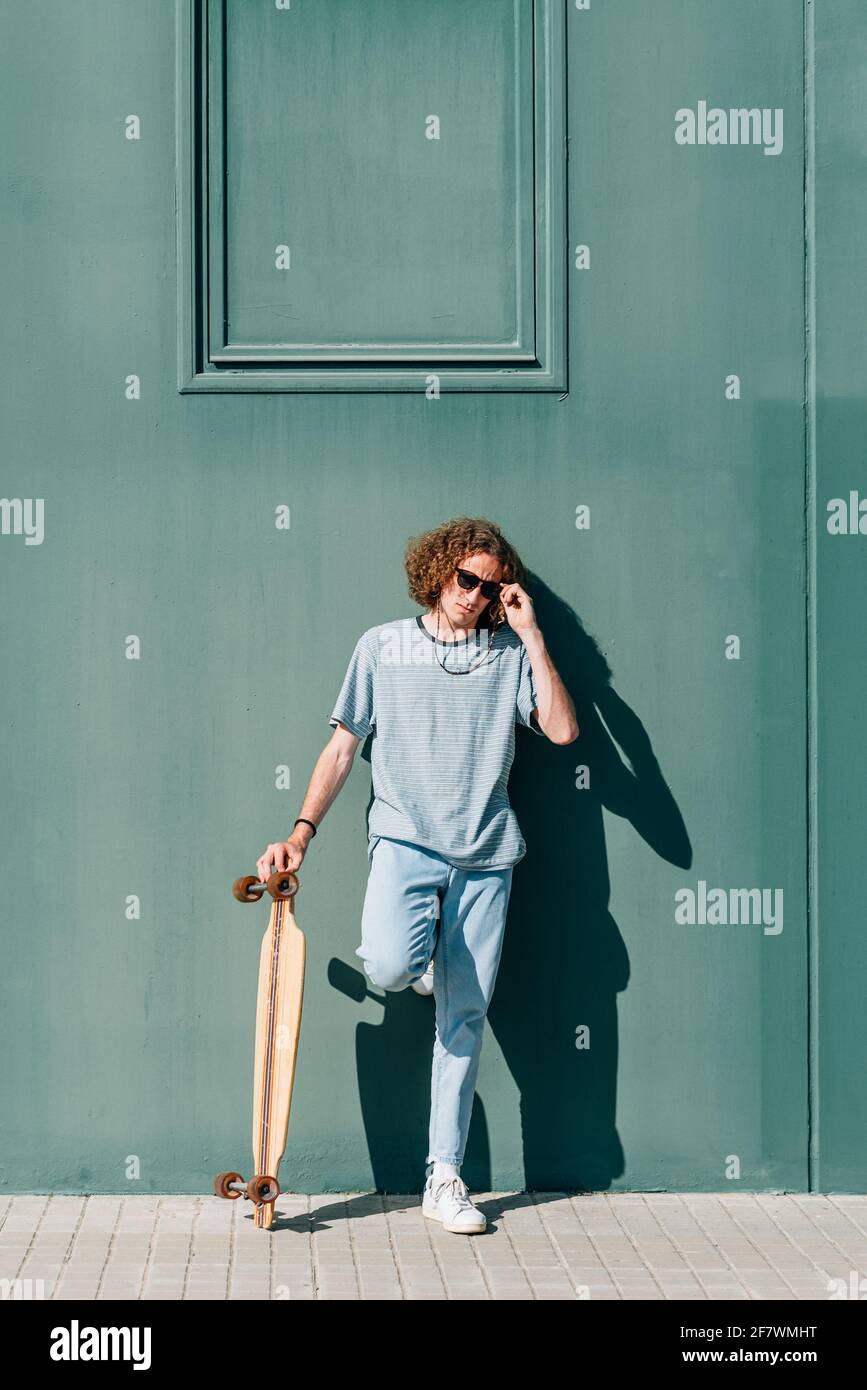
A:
(564, 961)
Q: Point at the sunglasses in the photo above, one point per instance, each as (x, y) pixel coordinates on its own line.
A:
(468, 580)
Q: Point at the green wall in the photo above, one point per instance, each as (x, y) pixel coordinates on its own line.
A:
(837, 422)
(720, 1054)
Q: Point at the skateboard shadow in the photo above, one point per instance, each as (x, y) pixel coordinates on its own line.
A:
(564, 959)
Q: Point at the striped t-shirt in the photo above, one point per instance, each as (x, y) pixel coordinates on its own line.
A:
(442, 744)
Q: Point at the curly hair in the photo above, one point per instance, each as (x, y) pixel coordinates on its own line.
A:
(432, 558)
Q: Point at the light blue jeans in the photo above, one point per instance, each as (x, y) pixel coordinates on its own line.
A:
(409, 890)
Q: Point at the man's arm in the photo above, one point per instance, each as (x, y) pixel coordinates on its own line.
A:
(555, 711)
(331, 771)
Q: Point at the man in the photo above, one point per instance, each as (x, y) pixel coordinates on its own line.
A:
(441, 694)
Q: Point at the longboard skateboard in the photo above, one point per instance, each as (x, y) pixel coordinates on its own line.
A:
(278, 1026)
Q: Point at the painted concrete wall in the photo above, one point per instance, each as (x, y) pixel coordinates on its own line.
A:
(838, 753)
(718, 1053)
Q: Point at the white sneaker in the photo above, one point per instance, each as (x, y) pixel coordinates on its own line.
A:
(424, 983)
(450, 1203)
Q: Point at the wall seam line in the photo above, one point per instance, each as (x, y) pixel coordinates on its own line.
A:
(810, 522)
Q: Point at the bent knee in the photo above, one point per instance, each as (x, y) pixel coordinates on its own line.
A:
(390, 975)
(391, 971)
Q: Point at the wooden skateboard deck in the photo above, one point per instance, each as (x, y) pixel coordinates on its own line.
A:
(278, 1028)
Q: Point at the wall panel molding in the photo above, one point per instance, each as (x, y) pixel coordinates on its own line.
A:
(452, 265)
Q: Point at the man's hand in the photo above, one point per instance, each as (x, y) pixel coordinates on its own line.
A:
(518, 608)
(286, 854)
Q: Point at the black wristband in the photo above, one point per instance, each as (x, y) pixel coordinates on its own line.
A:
(302, 820)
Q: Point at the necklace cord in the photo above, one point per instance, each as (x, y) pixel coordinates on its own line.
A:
(467, 669)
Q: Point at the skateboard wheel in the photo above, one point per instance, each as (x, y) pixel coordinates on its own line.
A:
(243, 889)
(261, 1188)
(283, 884)
(221, 1185)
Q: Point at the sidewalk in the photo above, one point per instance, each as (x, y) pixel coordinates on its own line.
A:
(727, 1245)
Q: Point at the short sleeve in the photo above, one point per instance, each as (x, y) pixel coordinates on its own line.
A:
(527, 700)
(355, 708)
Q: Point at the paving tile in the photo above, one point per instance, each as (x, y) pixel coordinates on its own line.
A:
(538, 1247)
